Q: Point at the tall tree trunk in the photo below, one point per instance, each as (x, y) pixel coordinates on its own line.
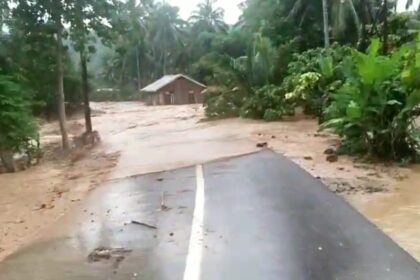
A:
(363, 44)
(164, 63)
(326, 24)
(356, 19)
(373, 19)
(122, 77)
(138, 69)
(88, 119)
(60, 88)
(6, 158)
(385, 29)
(165, 53)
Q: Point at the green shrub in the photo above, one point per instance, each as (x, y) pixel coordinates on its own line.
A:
(375, 109)
(309, 61)
(267, 102)
(305, 87)
(220, 102)
(271, 115)
(313, 76)
(17, 126)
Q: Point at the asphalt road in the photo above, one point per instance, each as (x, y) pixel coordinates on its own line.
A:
(254, 217)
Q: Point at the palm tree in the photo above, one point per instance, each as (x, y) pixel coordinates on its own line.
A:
(165, 33)
(326, 25)
(209, 18)
(346, 12)
(256, 67)
(341, 13)
(133, 24)
(137, 23)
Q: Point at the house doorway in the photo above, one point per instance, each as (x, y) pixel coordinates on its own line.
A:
(191, 98)
(169, 98)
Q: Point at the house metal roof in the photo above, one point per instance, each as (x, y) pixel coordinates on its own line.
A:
(166, 80)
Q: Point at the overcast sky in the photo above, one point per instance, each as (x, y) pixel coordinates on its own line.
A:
(402, 3)
(232, 12)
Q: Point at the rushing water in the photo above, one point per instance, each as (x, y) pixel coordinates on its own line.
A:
(398, 213)
(152, 139)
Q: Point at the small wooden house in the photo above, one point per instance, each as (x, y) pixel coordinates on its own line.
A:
(174, 90)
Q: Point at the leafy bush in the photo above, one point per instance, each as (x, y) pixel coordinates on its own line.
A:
(403, 28)
(17, 127)
(309, 61)
(304, 85)
(220, 102)
(312, 77)
(266, 103)
(375, 109)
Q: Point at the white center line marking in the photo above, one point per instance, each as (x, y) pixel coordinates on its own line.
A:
(195, 249)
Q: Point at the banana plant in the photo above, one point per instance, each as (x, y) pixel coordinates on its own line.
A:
(374, 110)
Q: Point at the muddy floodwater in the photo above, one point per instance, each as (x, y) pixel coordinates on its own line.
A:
(397, 213)
(137, 140)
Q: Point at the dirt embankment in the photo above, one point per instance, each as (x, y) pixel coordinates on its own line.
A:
(138, 140)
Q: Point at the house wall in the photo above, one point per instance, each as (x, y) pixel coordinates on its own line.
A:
(180, 89)
(152, 99)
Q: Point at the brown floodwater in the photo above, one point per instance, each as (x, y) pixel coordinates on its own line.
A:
(150, 139)
(398, 213)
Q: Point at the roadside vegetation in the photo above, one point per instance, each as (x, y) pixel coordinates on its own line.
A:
(353, 64)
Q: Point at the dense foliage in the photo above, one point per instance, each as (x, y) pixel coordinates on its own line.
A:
(280, 55)
(17, 127)
(376, 108)
(362, 97)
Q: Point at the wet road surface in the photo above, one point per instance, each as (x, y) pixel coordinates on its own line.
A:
(254, 217)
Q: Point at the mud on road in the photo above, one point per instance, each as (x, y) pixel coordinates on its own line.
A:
(139, 140)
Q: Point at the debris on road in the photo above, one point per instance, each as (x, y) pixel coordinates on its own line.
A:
(332, 158)
(330, 151)
(99, 254)
(262, 145)
(163, 207)
(143, 224)
(106, 254)
(308, 158)
(43, 206)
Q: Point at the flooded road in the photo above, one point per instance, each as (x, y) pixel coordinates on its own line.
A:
(138, 140)
(298, 230)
